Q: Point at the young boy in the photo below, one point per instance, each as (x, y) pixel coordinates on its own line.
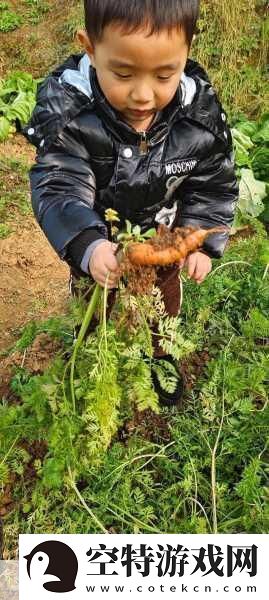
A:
(134, 125)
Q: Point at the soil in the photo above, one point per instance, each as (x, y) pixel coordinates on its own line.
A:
(149, 425)
(33, 280)
(35, 360)
(193, 367)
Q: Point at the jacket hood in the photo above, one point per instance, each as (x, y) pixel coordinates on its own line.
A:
(81, 80)
(73, 86)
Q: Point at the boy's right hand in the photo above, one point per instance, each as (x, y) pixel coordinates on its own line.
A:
(104, 261)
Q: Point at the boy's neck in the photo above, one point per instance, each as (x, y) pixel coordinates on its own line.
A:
(143, 126)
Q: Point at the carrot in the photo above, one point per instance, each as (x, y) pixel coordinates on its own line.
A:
(146, 254)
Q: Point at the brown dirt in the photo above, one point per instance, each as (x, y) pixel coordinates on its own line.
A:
(33, 280)
(241, 233)
(193, 367)
(35, 360)
(149, 425)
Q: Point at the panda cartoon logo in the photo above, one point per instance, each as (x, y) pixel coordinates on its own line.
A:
(54, 565)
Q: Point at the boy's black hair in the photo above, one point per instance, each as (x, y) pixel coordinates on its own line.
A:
(132, 15)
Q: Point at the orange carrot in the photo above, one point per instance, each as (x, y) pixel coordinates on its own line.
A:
(146, 254)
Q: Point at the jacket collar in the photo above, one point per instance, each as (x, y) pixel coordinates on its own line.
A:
(82, 76)
(73, 86)
(121, 129)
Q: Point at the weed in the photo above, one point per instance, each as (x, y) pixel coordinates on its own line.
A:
(14, 201)
(231, 45)
(37, 10)
(5, 230)
(8, 19)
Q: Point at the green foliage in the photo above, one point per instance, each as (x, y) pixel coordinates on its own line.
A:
(17, 101)
(9, 20)
(14, 195)
(57, 327)
(5, 230)
(36, 9)
(215, 453)
(251, 143)
(232, 45)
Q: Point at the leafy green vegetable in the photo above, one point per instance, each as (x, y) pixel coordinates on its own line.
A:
(242, 144)
(260, 163)
(248, 128)
(252, 151)
(5, 128)
(17, 101)
(251, 194)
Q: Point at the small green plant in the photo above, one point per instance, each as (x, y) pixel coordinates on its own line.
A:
(37, 9)
(8, 19)
(14, 194)
(5, 230)
(134, 233)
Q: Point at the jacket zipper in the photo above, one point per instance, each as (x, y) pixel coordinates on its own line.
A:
(143, 146)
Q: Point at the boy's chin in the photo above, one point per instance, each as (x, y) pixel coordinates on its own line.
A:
(137, 122)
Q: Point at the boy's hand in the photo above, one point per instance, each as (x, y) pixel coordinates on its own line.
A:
(198, 265)
(102, 262)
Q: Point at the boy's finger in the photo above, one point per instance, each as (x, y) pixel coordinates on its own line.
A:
(200, 279)
(191, 264)
(111, 276)
(111, 265)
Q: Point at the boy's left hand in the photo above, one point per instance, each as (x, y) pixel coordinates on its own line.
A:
(198, 266)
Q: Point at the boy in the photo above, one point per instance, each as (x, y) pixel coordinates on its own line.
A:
(132, 125)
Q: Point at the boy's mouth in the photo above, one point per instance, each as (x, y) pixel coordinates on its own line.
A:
(141, 113)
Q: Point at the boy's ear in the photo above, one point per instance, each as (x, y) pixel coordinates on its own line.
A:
(85, 41)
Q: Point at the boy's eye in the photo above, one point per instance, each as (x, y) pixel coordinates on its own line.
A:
(121, 76)
(162, 78)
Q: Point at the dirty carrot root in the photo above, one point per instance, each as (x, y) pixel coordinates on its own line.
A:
(149, 254)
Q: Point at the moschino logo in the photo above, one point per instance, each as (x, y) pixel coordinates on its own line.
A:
(183, 166)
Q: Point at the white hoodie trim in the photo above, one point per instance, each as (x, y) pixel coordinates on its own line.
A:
(80, 79)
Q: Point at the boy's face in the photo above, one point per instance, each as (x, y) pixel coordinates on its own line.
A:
(138, 75)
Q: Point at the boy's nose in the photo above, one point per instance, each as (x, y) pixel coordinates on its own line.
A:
(142, 95)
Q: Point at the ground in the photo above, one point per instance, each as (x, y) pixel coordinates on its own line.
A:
(33, 280)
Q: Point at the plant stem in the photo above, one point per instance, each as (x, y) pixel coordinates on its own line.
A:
(9, 450)
(103, 529)
(231, 262)
(214, 451)
(85, 324)
(104, 310)
(265, 272)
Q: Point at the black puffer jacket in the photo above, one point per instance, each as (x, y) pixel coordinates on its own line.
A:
(180, 172)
